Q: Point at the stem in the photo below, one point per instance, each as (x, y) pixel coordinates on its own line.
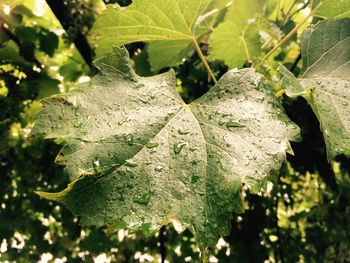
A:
(162, 240)
(205, 254)
(204, 61)
(80, 41)
(288, 36)
(294, 13)
(278, 10)
(286, 17)
(295, 63)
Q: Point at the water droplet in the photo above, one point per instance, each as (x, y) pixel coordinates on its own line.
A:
(97, 167)
(159, 168)
(183, 131)
(194, 179)
(122, 121)
(319, 82)
(151, 144)
(178, 147)
(130, 163)
(194, 162)
(76, 112)
(77, 124)
(121, 197)
(344, 103)
(222, 121)
(234, 124)
(260, 99)
(73, 100)
(143, 199)
(129, 139)
(145, 101)
(282, 124)
(129, 184)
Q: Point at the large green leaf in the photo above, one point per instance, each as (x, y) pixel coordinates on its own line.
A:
(140, 158)
(237, 40)
(333, 9)
(171, 26)
(325, 74)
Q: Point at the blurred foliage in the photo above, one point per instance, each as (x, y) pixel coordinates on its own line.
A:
(303, 218)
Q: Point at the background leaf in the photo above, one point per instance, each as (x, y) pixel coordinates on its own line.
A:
(325, 52)
(173, 22)
(333, 9)
(237, 39)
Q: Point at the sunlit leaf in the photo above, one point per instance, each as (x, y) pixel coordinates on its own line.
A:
(140, 158)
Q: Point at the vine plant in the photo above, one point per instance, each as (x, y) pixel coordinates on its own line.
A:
(140, 158)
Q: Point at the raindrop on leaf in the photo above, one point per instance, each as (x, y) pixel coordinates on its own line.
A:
(178, 147)
(151, 144)
(130, 163)
(234, 124)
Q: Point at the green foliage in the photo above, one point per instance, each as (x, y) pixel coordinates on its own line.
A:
(333, 8)
(297, 212)
(168, 160)
(237, 39)
(325, 81)
(174, 22)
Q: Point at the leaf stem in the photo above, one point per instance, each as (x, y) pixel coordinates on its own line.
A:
(204, 61)
(288, 36)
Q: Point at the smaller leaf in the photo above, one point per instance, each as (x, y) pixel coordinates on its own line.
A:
(333, 9)
(325, 81)
(237, 39)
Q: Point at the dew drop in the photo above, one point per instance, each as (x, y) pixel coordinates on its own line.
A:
(143, 199)
(97, 166)
(344, 103)
(178, 147)
(159, 168)
(195, 179)
(77, 124)
(183, 131)
(129, 139)
(121, 197)
(282, 125)
(145, 101)
(151, 144)
(222, 121)
(130, 163)
(234, 124)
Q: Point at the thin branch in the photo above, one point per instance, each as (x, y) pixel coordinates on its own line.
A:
(204, 61)
(15, 39)
(162, 241)
(294, 13)
(80, 41)
(286, 17)
(288, 36)
(295, 63)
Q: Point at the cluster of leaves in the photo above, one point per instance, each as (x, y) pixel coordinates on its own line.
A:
(138, 157)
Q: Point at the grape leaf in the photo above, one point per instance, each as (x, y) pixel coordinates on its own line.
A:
(171, 26)
(237, 39)
(333, 9)
(140, 158)
(325, 81)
